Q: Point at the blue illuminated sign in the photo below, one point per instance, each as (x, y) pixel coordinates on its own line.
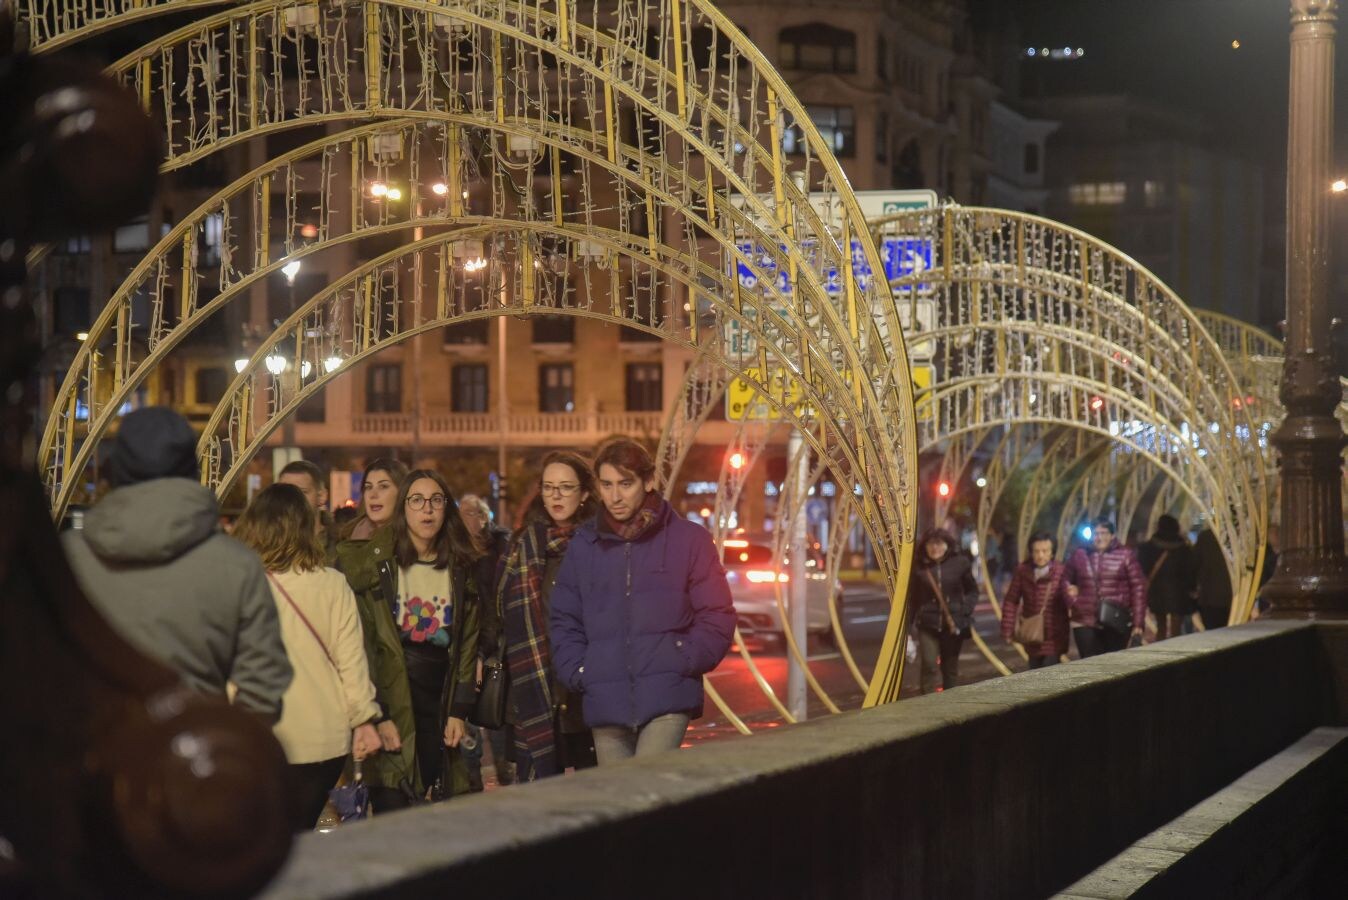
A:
(901, 257)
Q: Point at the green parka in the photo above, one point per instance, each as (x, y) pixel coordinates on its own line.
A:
(372, 572)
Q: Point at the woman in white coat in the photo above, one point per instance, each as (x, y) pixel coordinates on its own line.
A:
(329, 709)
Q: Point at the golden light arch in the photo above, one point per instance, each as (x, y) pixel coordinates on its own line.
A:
(1141, 368)
(563, 105)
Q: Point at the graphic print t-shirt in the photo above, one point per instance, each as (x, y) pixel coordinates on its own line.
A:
(425, 608)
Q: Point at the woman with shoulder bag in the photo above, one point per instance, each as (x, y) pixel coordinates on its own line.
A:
(329, 707)
(1111, 604)
(549, 723)
(942, 594)
(416, 585)
(1035, 608)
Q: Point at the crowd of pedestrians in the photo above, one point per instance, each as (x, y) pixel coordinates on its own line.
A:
(363, 642)
(1103, 597)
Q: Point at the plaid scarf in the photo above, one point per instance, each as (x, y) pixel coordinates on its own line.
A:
(640, 523)
(528, 656)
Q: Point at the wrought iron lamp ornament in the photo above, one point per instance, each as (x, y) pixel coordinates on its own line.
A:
(1312, 576)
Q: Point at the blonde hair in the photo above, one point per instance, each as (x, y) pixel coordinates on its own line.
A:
(279, 525)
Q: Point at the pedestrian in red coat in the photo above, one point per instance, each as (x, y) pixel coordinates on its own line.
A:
(1107, 574)
(1040, 583)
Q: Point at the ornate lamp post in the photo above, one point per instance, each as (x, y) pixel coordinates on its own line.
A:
(1312, 576)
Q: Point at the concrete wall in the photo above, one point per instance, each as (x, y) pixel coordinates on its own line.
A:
(1010, 788)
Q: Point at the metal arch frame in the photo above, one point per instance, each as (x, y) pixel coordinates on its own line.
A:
(630, 57)
(997, 250)
(46, 40)
(230, 402)
(1061, 452)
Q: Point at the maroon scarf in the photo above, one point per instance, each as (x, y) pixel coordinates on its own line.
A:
(640, 523)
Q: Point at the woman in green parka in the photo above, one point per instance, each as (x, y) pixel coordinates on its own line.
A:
(417, 594)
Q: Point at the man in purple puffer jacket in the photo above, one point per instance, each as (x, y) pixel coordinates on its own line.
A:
(640, 612)
(1109, 573)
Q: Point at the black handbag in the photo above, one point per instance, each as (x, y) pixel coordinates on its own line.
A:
(490, 706)
(1115, 618)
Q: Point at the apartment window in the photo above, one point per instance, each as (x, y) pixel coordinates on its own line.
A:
(836, 124)
(468, 388)
(554, 329)
(907, 171)
(1103, 193)
(818, 47)
(645, 387)
(1031, 159)
(210, 384)
(384, 389)
(556, 388)
(882, 137)
(882, 57)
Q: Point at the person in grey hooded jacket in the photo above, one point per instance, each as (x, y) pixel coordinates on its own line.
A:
(153, 561)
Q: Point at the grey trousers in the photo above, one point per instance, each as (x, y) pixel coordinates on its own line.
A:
(617, 742)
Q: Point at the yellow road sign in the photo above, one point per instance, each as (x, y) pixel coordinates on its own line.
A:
(745, 399)
(923, 376)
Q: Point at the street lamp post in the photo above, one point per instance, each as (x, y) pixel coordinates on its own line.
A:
(1312, 576)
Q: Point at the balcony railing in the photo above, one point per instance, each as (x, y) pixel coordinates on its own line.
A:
(459, 429)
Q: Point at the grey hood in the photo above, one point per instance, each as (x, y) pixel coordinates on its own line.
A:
(151, 522)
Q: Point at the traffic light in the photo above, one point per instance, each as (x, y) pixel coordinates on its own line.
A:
(1097, 403)
(943, 488)
(736, 460)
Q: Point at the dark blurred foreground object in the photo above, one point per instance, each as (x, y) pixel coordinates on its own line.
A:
(115, 780)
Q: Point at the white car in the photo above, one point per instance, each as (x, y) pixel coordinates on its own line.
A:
(753, 579)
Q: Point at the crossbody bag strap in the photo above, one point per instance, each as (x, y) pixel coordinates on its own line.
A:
(1151, 576)
(303, 618)
(940, 596)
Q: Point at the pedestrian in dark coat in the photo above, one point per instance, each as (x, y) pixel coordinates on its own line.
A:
(1040, 583)
(945, 616)
(1171, 570)
(1214, 580)
(548, 720)
(1106, 573)
(640, 612)
(417, 595)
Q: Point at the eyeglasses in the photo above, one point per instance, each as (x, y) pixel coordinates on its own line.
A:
(561, 490)
(416, 501)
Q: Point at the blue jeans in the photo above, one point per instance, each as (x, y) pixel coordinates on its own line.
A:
(617, 742)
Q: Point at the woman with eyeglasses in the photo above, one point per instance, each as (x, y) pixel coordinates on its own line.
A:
(417, 589)
(549, 726)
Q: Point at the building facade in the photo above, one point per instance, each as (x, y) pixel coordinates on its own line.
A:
(893, 86)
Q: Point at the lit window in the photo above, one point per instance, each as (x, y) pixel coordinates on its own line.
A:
(836, 124)
(1103, 193)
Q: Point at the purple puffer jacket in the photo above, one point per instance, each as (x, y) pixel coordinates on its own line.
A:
(1114, 576)
(635, 625)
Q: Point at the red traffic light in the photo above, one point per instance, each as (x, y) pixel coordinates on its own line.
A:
(736, 460)
(1097, 403)
(943, 489)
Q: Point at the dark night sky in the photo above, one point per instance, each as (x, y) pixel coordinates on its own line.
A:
(1179, 52)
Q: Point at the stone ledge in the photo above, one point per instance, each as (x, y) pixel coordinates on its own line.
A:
(1231, 844)
(941, 796)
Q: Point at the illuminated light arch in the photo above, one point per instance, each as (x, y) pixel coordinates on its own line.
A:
(557, 80)
(1135, 349)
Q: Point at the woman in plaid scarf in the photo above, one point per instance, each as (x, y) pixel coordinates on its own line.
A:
(550, 731)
